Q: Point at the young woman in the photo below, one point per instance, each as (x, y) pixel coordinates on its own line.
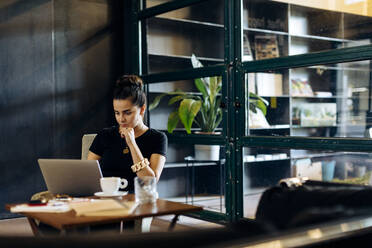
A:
(131, 148)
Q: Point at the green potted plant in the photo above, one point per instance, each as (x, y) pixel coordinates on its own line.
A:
(203, 109)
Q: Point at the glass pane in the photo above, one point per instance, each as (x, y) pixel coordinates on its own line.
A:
(264, 168)
(195, 174)
(173, 95)
(278, 28)
(173, 37)
(265, 30)
(318, 101)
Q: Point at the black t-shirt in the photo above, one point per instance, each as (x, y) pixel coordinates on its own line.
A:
(114, 162)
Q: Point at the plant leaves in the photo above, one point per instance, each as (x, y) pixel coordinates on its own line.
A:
(197, 64)
(158, 98)
(176, 99)
(219, 119)
(202, 121)
(261, 105)
(210, 114)
(252, 107)
(187, 111)
(256, 101)
(201, 87)
(252, 95)
(213, 90)
(176, 92)
(172, 121)
(156, 101)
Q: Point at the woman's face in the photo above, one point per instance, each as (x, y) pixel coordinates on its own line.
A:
(127, 114)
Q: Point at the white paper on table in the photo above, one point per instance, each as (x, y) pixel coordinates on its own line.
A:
(109, 207)
(49, 208)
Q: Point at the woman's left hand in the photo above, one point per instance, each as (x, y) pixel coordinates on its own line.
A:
(128, 134)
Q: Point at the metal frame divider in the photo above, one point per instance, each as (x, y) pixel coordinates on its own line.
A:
(239, 109)
(139, 15)
(134, 38)
(230, 144)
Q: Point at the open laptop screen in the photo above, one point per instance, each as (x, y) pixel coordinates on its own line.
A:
(71, 176)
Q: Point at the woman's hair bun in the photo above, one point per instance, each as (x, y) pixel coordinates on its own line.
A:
(129, 81)
(130, 87)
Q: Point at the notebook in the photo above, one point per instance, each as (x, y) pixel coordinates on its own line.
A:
(71, 176)
(107, 207)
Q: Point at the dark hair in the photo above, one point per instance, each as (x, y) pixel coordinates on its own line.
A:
(130, 87)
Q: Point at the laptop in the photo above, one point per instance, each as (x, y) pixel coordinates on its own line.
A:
(73, 177)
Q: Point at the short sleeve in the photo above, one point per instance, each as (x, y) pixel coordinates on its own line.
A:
(160, 144)
(97, 145)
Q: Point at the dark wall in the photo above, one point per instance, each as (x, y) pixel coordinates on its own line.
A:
(58, 60)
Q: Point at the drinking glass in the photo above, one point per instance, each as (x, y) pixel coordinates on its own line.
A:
(145, 189)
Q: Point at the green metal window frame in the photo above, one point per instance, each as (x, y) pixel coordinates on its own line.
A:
(306, 143)
(292, 142)
(233, 71)
(138, 14)
(222, 140)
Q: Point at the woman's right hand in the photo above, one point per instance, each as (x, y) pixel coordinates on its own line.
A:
(128, 134)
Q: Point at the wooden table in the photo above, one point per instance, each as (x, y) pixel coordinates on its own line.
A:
(68, 220)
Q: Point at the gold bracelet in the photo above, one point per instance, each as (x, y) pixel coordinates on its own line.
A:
(140, 165)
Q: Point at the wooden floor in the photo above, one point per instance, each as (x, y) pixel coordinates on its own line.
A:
(217, 203)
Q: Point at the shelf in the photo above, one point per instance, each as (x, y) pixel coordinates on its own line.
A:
(316, 97)
(265, 161)
(337, 68)
(305, 36)
(187, 93)
(329, 97)
(315, 37)
(312, 155)
(271, 127)
(337, 125)
(193, 130)
(266, 31)
(184, 164)
(317, 155)
(156, 62)
(182, 37)
(183, 57)
(161, 92)
(282, 96)
(187, 21)
(298, 126)
(354, 125)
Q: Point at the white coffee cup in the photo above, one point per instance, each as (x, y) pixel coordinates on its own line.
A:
(110, 185)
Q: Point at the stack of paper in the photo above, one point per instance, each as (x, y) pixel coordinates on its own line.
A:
(108, 207)
(49, 208)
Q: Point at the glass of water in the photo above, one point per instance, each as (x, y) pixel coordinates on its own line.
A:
(145, 189)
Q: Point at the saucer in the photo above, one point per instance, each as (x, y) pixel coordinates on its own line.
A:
(116, 194)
